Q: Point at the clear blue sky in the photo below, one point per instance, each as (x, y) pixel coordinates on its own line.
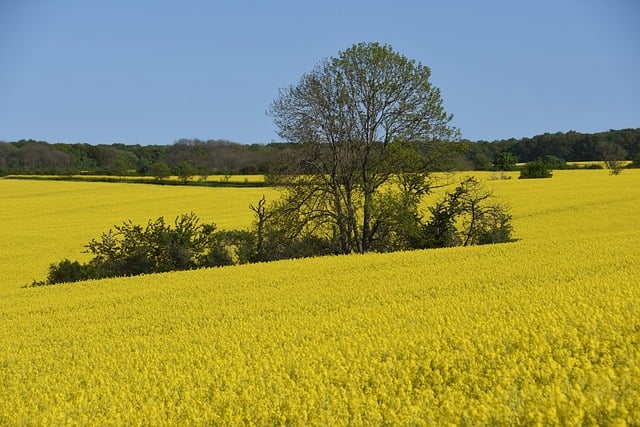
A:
(151, 72)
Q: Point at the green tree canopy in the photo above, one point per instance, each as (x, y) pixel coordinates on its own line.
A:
(362, 119)
(505, 161)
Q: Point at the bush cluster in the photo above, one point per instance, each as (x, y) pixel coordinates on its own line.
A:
(466, 216)
(535, 169)
(131, 249)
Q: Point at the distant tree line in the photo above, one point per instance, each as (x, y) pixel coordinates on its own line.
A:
(205, 157)
(554, 149)
(200, 157)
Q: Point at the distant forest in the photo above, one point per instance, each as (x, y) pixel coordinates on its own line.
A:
(225, 157)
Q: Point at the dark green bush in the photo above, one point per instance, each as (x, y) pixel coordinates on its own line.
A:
(67, 271)
(470, 215)
(130, 249)
(535, 169)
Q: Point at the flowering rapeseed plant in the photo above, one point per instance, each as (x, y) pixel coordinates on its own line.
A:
(541, 331)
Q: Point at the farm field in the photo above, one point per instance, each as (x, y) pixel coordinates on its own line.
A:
(218, 178)
(46, 221)
(542, 331)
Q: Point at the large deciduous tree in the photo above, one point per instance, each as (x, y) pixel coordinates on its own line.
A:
(362, 120)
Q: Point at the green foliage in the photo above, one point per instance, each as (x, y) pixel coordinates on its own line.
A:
(185, 170)
(229, 247)
(220, 156)
(440, 231)
(535, 169)
(570, 146)
(282, 231)
(505, 161)
(67, 271)
(398, 223)
(160, 170)
(119, 168)
(131, 249)
(554, 163)
(216, 156)
(469, 215)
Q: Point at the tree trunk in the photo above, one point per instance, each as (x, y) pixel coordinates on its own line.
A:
(366, 222)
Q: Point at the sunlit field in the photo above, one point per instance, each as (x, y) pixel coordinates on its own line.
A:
(46, 221)
(542, 331)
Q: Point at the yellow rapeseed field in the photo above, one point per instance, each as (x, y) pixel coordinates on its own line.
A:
(45, 221)
(543, 331)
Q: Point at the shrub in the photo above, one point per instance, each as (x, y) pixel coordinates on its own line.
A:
(67, 271)
(468, 216)
(130, 249)
(535, 169)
